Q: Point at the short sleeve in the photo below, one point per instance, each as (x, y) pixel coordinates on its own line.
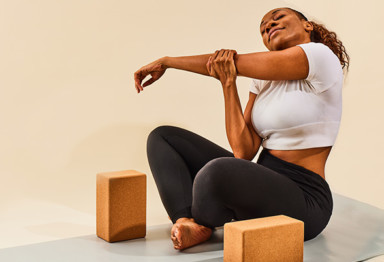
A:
(254, 87)
(324, 66)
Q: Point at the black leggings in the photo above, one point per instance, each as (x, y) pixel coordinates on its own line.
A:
(197, 178)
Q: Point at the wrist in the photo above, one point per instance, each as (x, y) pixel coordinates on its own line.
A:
(165, 62)
(229, 83)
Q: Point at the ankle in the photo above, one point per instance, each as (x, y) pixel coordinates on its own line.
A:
(185, 219)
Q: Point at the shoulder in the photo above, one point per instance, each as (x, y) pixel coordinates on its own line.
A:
(315, 46)
(324, 66)
(319, 52)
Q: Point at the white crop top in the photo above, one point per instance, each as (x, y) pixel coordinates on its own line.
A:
(298, 114)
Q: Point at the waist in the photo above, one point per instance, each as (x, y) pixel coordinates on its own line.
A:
(310, 182)
(313, 159)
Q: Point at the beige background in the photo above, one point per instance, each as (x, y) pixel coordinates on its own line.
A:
(69, 109)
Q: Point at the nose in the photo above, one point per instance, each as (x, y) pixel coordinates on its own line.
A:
(270, 25)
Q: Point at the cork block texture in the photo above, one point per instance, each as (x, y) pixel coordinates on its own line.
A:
(267, 239)
(121, 205)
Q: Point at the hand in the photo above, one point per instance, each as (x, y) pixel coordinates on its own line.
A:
(156, 69)
(222, 65)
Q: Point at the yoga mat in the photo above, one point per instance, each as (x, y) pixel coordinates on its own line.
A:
(354, 233)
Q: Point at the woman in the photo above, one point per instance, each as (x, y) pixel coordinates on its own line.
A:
(294, 112)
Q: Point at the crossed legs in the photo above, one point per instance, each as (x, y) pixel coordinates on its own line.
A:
(202, 185)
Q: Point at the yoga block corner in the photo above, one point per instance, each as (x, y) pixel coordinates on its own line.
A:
(268, 239)
(121, 205)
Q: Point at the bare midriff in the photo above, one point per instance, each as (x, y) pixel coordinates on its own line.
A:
(312, 158)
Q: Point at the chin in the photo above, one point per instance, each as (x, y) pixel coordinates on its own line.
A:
(281, 42)
(279, 45)
(276, 47)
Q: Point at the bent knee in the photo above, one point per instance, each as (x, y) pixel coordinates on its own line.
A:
(218, 164)
(213, 172)
(158, 132)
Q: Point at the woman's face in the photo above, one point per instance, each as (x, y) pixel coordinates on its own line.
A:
(281, 28)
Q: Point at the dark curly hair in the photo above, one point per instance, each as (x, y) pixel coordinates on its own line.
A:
(321, 34)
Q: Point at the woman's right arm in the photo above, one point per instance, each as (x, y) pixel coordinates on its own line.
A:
(247, 117)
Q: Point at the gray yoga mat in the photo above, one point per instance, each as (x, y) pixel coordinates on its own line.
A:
(354, 233)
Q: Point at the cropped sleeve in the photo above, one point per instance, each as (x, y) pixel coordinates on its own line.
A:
(254, 87)
(324, 66)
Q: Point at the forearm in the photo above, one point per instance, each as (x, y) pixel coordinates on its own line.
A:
(195, 64)
(238, 133)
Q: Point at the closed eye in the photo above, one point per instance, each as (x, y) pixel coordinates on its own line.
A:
(275, 20)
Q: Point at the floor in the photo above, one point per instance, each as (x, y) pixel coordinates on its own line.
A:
(33, 230)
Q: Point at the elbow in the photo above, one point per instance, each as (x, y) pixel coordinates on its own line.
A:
(247, 155)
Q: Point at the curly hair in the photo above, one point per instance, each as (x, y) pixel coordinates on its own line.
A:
(321, 34)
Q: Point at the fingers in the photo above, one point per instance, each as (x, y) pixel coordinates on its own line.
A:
(210, 69)
(230, 54)
(209, 65)
(215, 55)
(218, 59)
(223, 64)
(150, 81)
(138, 76)
(223, 54)
(219, 54)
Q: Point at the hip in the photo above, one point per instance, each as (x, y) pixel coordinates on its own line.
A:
(315, 188)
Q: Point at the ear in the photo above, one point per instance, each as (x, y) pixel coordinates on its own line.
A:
(307, 26)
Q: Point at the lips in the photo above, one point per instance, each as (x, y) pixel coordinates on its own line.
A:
(272, 31)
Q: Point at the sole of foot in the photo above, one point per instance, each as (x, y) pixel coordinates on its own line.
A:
(187, 233)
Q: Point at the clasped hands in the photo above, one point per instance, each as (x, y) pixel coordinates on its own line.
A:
(221, 65)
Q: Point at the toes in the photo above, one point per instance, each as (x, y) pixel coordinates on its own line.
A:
(176, 244)
(175, 238)
(173, 230)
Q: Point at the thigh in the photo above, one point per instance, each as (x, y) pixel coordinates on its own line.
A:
(195, 150)
(248, 189)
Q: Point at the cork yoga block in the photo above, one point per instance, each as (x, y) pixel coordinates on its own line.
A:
(267, 239)
(121, 205)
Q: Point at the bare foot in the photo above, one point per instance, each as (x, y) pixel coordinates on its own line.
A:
(186, 233)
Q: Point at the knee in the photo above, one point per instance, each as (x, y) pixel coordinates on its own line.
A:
(209, 194)
(217, 165)
(158, 132)
(212, 173)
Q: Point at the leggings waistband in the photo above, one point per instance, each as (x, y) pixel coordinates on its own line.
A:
(312, 184)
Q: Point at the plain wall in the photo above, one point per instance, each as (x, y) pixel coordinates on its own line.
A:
(69, 109)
